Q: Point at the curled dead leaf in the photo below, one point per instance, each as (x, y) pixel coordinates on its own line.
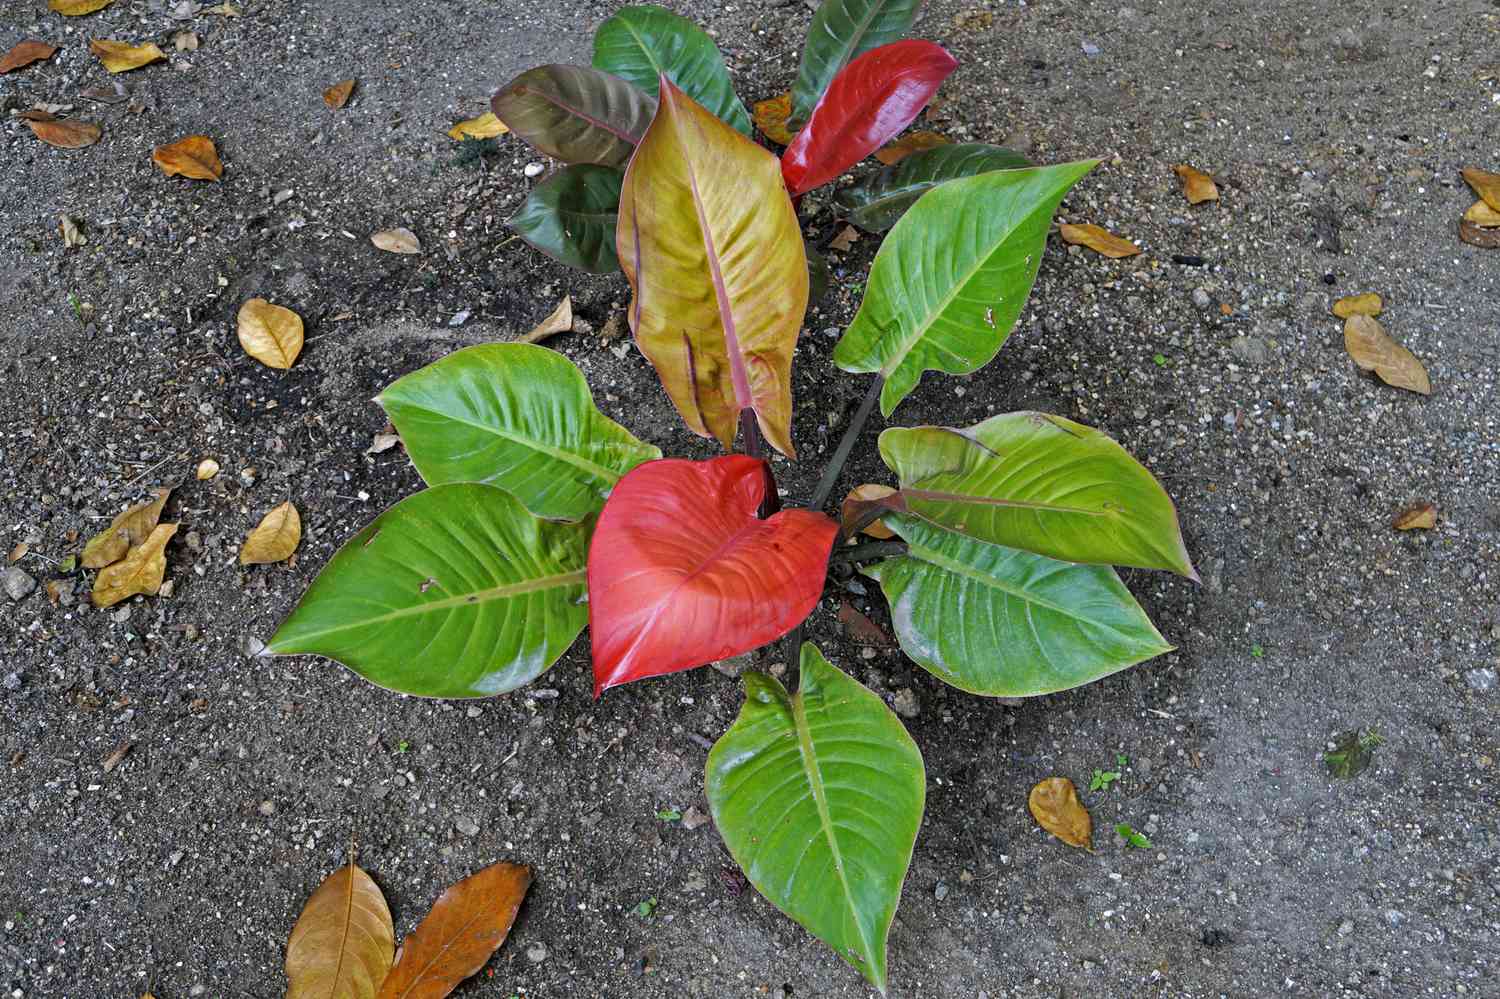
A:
(25, 53)
(1367, 304)
(1197, 186)
(560, 321)
(272, 334)
(1486, 185)
(343, 941)
(398, 240)
(1055, 806)
(1419, 516)
(194, 157)
(912, 142)
(1099, 240)
(274, 538)
(207, 469)
(1478, 235)
(1372, 348)
(486, 126)
(132, 527)
(77, 8)
(121, 57)
(1480, 213)
(140, 571)
(338, 95)
(771, 117)
(64, 134)
(853, 504)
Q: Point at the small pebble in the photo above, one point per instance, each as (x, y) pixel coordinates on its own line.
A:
(693, 818)
(1482, 680)
(1202, 300)
(267, 808)
(536, 953)
(467, 826)
(533, 170)
(941, 891)
(905, 703)
(18, 584)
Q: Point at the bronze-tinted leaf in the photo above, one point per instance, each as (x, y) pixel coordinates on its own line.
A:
(65, 134)
(337, 95)
(771, 117)
(1054, 804)
(467, 924)
(486, 126)
(912, 142)
(856, 503)
(1478, 235)
(1420, 516)
(1486, 185)
(77, 8)
(140, 571)
(342, 943)
(1097, 239)
(194, 157)
(560, 321)
(270, 333)
(1372, 348)
(1197, 186)
(1367, 304)
(274, 538)
(25, 53)
(132, 527)
(121, 57)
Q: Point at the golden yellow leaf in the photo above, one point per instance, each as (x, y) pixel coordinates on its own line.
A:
(853, 504)
(486, 126)
(1486, 185)
(1372, 348)
(343, 942)
(337, 95)
(913, 142)
(1367, 304)
(120, 57)
(207, 469)
(397, 240)
(194, 157)
(771, 116)
(270, 333)
(1054, 804)
(65, 134)
(274, 538)
(140, 571)
(1197, 186)
(25, 53)
(560, 321)
(1480, 213)
(1099, 240)
(77, 8)
(1421, 516)
(132, 527)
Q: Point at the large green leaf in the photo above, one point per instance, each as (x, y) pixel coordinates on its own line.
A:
(571, 217)
(818, 796)
(456, 591)
(575, 114)
(879, 202)
(517, 416)
(951, 278)
(841, 30)
(642, 44)
(1040, 483)
(1002, 622)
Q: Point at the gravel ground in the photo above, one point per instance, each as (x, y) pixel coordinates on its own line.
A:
(1336, 131)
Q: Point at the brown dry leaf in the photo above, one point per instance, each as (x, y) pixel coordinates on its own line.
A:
(1477, 235)
(845, 239)
(861, 630)
(381, 443)
(1054, 804)
(117, 757)
(186, 41)
(864, 494)
(486, 126)
(1197, 186)
(1372, 348)
(132, 527)
(560, 321)
(274, 538)
(194, 157)
(467, 924)
(77, 8)
(913, 142)
(1480, 213)
(207, 469)
(117, 94)
(1486, 185)
(25, 53)
(771, 117)
(1367, 304)
(1421, 516)
(337, 95)
(18, 552)
(343, 941)
(140, 571)
(70, 234)
(398, 240)
(121, 57)
(64, 134)
(1099, 240)
(270, 333)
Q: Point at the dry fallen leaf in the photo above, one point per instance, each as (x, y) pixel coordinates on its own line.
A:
(486, 126)
(121, 57)
(194, 157)
(1197, 186)
(207, 469)
(342, 943)
(18, 552)
(274, 538)
(337, 95)
(1478, 235)
(1422, 516)
(132, 527)
(225, 9)
(116, 94)
(1486, 185)
(1367, 304)
(270, 333)
(844, 239)
(398, 240)
(467, 924)
(1373, 349)
(64, 134)
(771, 116)
(1054, 804)
(70, 234)
(25, 53)
(913, 142)
(1480, 213)
(186, 41)
(560, 321)
(382, 443)
(863, 494)
(140, 571)
(1099, 240)
(77, 8)
(115, 758)
(861, 630)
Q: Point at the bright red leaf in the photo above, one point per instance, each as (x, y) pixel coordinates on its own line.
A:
(868, 103)
(681, 572)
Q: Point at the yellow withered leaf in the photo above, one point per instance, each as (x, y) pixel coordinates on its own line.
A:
(25, 53)
(65, 134)
(140, 571)
(1367, 304)
(274, 538)
(1486, 185)
(194, 157)
(77, 8)
(1372, 348)
(857, 501)
(270, 333)
(913, 142)
(337, 95)
(1197, 186)
(121, 57)
(132, 527)
(1054, 804)
(560, 321)
(486, 126)
(771, 117)
(1480, 213)
(1099, 240)
(1421, 516)
(343, 942)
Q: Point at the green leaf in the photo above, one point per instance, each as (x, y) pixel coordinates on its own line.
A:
(517, 416)
(952, 277)
(818, 796)
(571, 217)
(1002, 622)
(1133, 838)
(1040, 483)
(1102, 779)
(841, 30)
(640, 44)
(455, 591)
(669, 815)
(876, 204)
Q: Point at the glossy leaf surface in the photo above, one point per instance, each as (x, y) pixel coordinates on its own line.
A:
(1040, 483)
(644, 43)
(455, 591)
(818, 796)
(571, 217)
(950, 280)
(840, 31)
(711, 246)
(879, 202)
(681, 572)
(1003, 622)
(867, 104)
(341, 945)
(517, 416)
(575, 114)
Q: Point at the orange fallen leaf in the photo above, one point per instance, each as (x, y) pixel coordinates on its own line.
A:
(1372, 349)
(1421, 516)
(194, 157)
(77, 8)
(1099, 240)
(1367, 304)
(274, 538)
(1055, 806)
(1486, 185)
(913, 142)
(63, 134)
(560, 321)
(337, 95)
(121, 57)
(1480, 213)
(25, 53)
(1197, 186)
(855, 504)
(272, 334)
(486, 126)
(342, 942)
(771, 117)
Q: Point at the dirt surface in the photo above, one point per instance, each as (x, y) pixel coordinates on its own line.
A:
(1336, 131)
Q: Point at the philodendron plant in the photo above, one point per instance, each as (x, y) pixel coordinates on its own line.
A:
(542, 516)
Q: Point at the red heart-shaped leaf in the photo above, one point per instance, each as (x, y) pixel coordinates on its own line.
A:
(870, 101)
(681, 572)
